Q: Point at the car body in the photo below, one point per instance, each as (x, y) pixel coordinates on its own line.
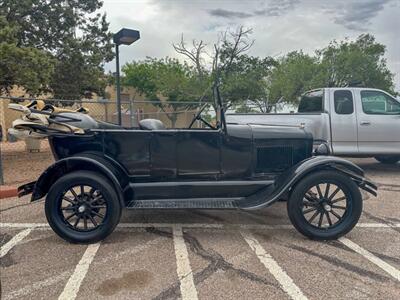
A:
(227, 166)
(354, 121)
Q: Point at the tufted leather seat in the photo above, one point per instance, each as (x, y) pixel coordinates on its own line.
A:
(151, 124)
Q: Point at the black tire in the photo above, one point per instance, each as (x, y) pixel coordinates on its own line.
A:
(304, 201)
(388, 159)
(100, 201)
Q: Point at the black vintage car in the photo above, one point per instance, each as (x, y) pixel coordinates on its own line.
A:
(226, 166)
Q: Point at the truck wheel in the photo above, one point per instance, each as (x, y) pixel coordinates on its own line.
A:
(388, 159)
(82, 207)
(325, 205)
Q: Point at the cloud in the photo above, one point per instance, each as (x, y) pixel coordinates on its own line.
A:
(357, 15)
(224, 13)
(274, 8)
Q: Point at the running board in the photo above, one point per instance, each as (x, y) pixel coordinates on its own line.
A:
(199, 203)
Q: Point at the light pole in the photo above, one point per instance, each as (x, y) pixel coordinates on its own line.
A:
(123, 37)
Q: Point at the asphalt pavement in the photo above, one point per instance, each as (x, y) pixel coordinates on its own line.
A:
(203, 254)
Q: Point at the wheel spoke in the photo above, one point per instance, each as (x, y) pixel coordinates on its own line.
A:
(321, 217)
(92, 190)
(334, 193)
(74, 193)
(329, 218)
(93, 220)
(328, 185)
(85, 221)
(99, 206)
(338, 207)
(313, 217)
(70, 216)
(77, 221)
(310, 197)
(338, 199)
(68, 208)
(69, 200)
(319, 192)
(309, 210)
(97, 198)
(82, 190)
(336, 214)
(98, 214)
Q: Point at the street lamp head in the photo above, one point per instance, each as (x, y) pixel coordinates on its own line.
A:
(126, 36)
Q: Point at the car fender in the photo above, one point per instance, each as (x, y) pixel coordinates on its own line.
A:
(286, 181)
(82, 162)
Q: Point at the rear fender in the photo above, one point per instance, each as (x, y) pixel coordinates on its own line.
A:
(286, 181)
(75, 163)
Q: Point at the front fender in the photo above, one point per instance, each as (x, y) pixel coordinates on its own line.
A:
(286, 181)
(66, 165)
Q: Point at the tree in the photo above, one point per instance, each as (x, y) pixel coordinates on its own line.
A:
(24, 66)
(360, 60)
(173, 85)
(72, 33)
(294, 74)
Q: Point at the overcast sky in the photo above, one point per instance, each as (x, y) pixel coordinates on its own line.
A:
(280, 26)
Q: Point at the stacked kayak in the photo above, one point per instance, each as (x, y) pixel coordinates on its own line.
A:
(39, 120)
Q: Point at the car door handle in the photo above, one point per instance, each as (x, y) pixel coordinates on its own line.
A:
(365, 123)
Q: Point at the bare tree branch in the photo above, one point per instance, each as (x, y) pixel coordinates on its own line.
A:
(194, 54)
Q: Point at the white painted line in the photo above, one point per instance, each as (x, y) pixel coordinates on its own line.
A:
(15, 240)
(72, 287)
(272, 266)
(185, 274)
(198, 225)
(372, 258)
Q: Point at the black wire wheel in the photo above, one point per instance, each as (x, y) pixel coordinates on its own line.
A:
(325, 205)
(82, 207)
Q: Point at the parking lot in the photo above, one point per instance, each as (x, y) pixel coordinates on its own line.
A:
(206, 254)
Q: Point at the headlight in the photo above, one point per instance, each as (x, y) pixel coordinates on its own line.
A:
(322, 149)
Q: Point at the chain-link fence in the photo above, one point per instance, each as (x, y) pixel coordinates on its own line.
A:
(22, 161)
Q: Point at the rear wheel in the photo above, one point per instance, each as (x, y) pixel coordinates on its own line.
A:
(325, 205)
(388, 159)
(82, 207)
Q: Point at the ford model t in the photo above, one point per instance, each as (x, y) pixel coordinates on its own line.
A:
(102, 168)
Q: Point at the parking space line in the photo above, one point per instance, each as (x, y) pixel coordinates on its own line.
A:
(198, 225)
(184, 270)
(273, 267)
(372, 258)
(14, 241)
(72, 287)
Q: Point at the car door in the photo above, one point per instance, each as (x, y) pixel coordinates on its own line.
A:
(343, 122)
(198, 153)
(379, 123)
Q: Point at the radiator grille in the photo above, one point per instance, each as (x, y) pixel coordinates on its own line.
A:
(274, 159)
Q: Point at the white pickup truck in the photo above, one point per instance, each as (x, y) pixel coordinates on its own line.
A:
(356, 122)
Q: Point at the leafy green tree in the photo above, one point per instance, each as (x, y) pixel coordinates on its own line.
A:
(294, 74)
(22, 65)
(174, 86)
(361, 60)
(72, 33)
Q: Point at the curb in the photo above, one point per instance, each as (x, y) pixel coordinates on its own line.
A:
(8, 191)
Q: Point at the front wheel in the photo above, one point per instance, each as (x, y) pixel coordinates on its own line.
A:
(325, 205)
(82, 207)
(388, 159)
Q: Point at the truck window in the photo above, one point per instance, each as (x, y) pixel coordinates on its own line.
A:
(343, 101)
(311, 102)
(378, 103)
